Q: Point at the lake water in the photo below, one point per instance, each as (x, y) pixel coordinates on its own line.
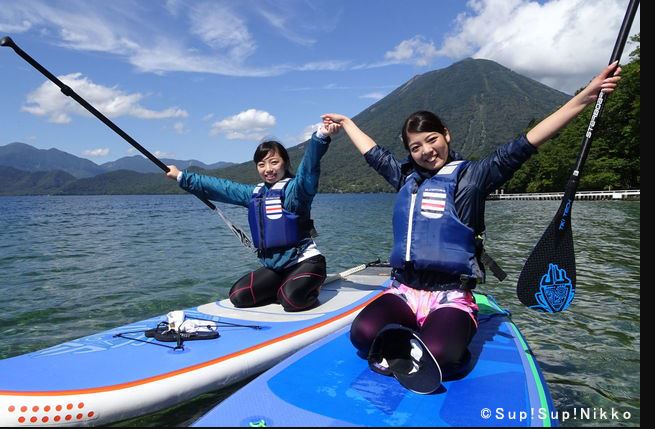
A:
(73, 266)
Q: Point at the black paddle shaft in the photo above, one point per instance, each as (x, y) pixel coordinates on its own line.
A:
(7, 41)
(548, 279)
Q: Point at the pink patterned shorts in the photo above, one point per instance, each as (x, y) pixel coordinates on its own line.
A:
(423, 302)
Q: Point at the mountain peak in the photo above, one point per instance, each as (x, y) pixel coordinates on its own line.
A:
(483, 104)
(28, 158)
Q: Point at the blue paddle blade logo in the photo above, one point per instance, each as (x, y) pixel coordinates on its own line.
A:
(555, 290)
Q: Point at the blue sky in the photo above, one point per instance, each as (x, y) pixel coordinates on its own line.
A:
(209, 80)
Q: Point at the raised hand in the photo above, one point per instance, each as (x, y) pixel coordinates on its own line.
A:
(606, 81)
(173, 171)
(333, 118)
(331, 129)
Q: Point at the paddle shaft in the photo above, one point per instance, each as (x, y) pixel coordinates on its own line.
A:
(548, 279)
(7, 41)
(600, 103)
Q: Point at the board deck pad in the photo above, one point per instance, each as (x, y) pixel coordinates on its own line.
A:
(328, 384)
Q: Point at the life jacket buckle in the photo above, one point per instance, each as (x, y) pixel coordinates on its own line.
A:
(468, 282)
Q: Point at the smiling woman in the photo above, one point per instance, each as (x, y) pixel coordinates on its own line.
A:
(279, 213)
(438, 227)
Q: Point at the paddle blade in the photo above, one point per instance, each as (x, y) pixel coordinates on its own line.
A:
(547, 281)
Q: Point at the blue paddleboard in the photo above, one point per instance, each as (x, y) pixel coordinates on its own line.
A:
(328, 384)
(105, 378)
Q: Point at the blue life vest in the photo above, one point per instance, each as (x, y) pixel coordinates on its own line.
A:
(270, 224)
(427, 233)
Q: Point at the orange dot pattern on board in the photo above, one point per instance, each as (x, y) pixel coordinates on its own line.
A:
(46, 409)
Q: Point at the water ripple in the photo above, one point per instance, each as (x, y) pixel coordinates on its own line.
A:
(73, 266)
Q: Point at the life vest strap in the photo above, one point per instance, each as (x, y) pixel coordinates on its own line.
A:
(495, 269)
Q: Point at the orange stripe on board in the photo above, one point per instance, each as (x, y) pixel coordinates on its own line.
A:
(188, 369)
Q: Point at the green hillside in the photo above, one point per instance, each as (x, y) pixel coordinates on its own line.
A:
(18, 182)
(614, 158)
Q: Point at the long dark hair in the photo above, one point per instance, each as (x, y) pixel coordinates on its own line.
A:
(422, 122)
(265, 148)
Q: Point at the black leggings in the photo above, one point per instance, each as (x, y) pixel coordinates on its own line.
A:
(446, 331)
(296, 288)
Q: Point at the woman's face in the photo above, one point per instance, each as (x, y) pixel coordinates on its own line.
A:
(429, 149)
(271, 168)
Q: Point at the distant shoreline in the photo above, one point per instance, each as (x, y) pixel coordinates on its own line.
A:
(616, 195)
(625, 194)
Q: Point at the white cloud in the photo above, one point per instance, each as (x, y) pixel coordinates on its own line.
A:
(215, 39)
(173, 56)
(280, 21)
(173, 6)
(562, 43)
(15, 19)
(180, 128)
(73, 24)
(373, 96)
(300, 23)
(96, 153)
(47, 100)
(250, 124)
(160, 154)
(308, 131)
(222, 29)
(334, 87)
(329, 65)
(17, 27)
(219, 44)
(416, 51)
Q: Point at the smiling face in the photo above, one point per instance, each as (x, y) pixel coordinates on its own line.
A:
(429, 149)
(271, 168)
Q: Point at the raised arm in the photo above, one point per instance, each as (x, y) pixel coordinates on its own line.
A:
(544, 130)
(309, 170)
(212, 188)
(377, 157)
(363, 142)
